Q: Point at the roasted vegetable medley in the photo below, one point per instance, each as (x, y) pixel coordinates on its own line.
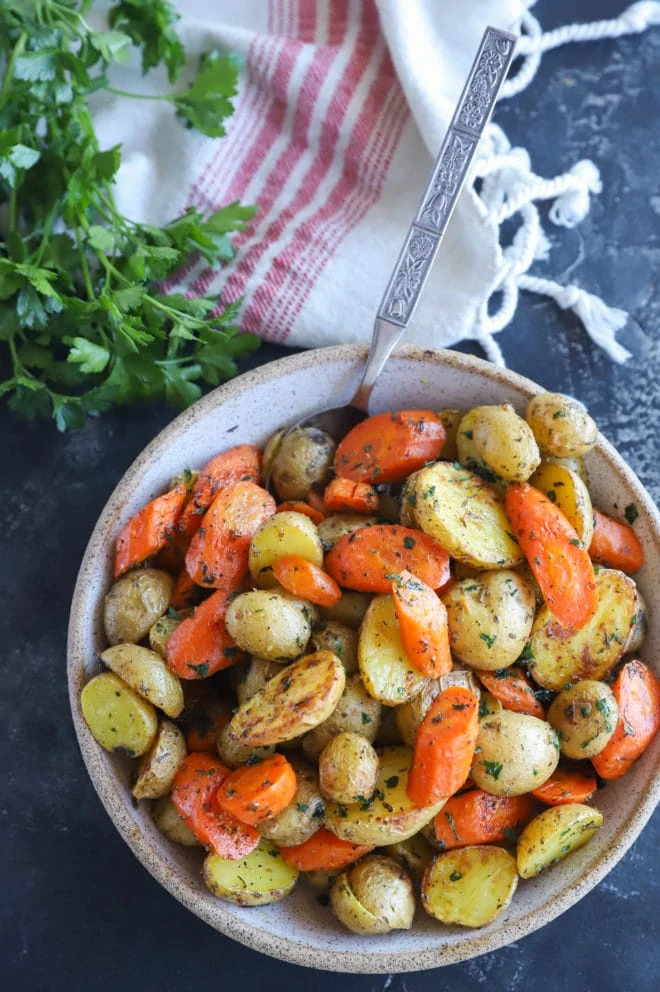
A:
(408, 668)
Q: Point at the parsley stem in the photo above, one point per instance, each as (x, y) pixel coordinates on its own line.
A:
(9, 69)
(84, 267)
(138, 96)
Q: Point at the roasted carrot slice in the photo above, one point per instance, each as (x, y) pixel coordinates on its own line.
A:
(513, 689)
(369, 559)
(306, 580)
(218, 553)
(186, 593)
(323, 852)
(298, 506)
(254, 793)
(149, 530)
(315, 500)
(615, 544)
(201, 646)
(346, 496)
(205, 726)
(477, 817)
(567, 785)
(238, 464)
(637, 692)
(198, 778)
(389, 446)
(556, 556)
(171, 558)
(422, 618)
(444, 747)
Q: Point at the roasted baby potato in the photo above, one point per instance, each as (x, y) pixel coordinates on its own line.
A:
(374, 896)
(465, 515)
(585, 717)
(350, 609)
(575, 464)
(505, 442)
(515, 753)
(469, 886)
(261, 878)
(450, 421)
(466, 449)
(234, 752)
(490, 618)
(414, 854)
(134, 603)
(553, 834)
(286, 533)
(640, 626)
(561, 425)
(338, 638)
(385, 668)
(161, 632)
(409, 715)
(348, 768)
(146, 672)
(156, 769)
(303, 457)
(356, 711)
(488, 705)
(255, 676)
(301, 697)
(338, 524)
(268, 625)
(565, 488)
(304, 814)
(170, 823)
(120, 720)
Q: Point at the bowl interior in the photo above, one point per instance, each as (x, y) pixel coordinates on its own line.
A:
(248, 410)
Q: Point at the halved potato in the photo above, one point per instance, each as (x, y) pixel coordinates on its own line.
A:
(338, 524)
(170, 823)
(560, 657)
(160, 633)
(157, 768)
(119, 719)
(304, 814)
(356, 711)
(254, 677)
(286, 533)
(233, 751)
(261, 878)
(134, 603)
(469, 886)
(374, 896)
(390, 816)
(385, 668)
(146, 672)
(567, 490)
(349, 910)
(515, 753)
(450, 421)
(466, 449)
(268, 624)
(505, 442)
(409, 715)
(350, 609)
(338, 638)
(553, 834)
(414, 854)
(303, 695)
(465, 515)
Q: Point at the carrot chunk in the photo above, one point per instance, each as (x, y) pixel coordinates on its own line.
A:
(422, 618)
(186, 593)
(637, 692)
(238, 464)
(513, 689)
(567, 785)
(306, 580)
(323, 852)
(615, 544)
(444, 747)
(298, 506)
(204, 727)
(149, 530)
(477, 817)
(368, 559)
(389, 446)
(346, 496)
(254, 793)
(201, 646)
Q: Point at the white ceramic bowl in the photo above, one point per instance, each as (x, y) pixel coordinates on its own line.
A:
(248, 410)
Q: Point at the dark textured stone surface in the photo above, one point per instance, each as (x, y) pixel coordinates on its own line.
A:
(78, 911)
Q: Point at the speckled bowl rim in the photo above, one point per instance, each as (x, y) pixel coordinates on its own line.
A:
(252, 935)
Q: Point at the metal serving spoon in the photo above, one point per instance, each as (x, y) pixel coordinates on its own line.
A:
(488, 72)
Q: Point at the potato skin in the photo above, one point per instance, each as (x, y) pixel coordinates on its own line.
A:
(383, 892)
(156, 769)
(565, 488)
(338, 638)
(515, 753)
(561, 425)
(120, 720)
(170, 823)
(337, 524)
(268, 625)
(356, 711)
(553, 834)
(469, 886)
(348, 768)
(350, 609)
(505, 442)
(490, 618)
(146, 672)
(286, 533)
(234, 752)
(255, 676)
(304, 814)
(414, 854)
(409, 715)
(585, 718)
(261, 878)
(385, 667)
(160, 633)
(450, 420)
(304, 456)
(134, 604)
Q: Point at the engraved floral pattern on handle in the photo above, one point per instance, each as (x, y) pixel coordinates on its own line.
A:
(447, 179)
(482, 91)
(412, 268)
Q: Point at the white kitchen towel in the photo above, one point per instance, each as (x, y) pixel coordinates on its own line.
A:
(341, 110)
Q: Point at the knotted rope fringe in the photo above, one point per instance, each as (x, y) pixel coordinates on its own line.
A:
(510, 187)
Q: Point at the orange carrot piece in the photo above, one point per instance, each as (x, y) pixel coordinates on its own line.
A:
(254, 793)
(637, 692)
(315, 500)
(171, 558)
(201, 646)
(567, 785)
(149, 530)
(238, 464)
(389, 446)
(306, 580)
(346, 496)
(423, 625)
(205, 726)
(615, 544)
(298, 506)
(197, 780)
(477, 817)
(513, 689)
(186, 593)
(556, 556)
(368, 559)
(444, 747)
(323, 852)
(218, 553)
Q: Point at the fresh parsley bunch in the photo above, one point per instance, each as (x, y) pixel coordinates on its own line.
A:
(83, 324)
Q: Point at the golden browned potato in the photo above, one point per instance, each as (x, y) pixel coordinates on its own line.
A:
(414, 854)
(565, 488)
(257, 880)
(575, 464)
(161, 632)
(269, 452)
(640, 626)
(304, 814)
(466, 449)
(450, 421)
(303, 457)
(170, 823)
(234, 752)
(268, 625)
(134, 603)
(585, 717)
(321, 881)
(120, 720)
(350, 609)
(490, 618)
(156, 769)
(410, 714)
(505, 442)
(356, 711)
(146, 672)
(255, 676)
(515, 753)
(374, 896)
(561, 425)
(488, 705)
(301, 697)
(348, 768)
(336, 525)
(338, 638)
(385, 668)
(553, 834)
(470, 886)
(286, 533)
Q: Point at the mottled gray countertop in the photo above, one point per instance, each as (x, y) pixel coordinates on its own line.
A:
(78, 911)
